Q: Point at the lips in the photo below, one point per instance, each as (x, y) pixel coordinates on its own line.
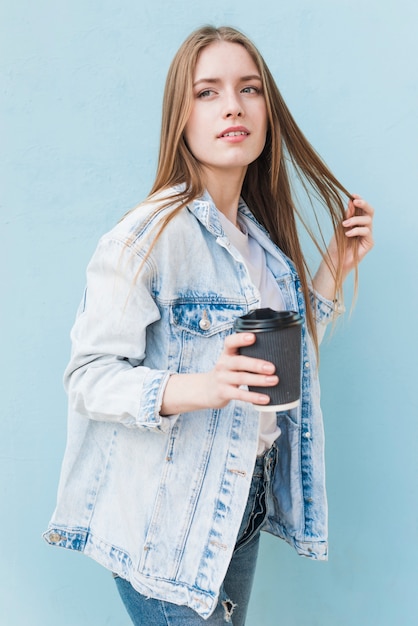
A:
(234, 131)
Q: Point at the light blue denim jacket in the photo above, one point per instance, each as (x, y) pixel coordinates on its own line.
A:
(159, 500)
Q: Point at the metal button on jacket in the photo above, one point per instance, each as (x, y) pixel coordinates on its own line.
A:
(204, 323)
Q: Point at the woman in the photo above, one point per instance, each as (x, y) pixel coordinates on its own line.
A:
(170, 470)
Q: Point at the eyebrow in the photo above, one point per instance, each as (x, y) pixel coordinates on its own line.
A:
(243, 79)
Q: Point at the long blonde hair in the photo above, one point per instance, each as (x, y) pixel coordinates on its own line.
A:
(267, 187)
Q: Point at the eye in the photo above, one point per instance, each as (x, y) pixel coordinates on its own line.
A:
(251, 90)
(206, 93)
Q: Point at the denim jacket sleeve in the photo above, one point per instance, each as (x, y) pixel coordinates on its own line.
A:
(325, 311)
(106, 379)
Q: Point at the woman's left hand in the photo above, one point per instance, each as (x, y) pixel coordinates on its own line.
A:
(358, 227)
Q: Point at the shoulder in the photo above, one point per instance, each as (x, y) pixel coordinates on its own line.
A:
(145, 221)
(163, 217)
(145, 216)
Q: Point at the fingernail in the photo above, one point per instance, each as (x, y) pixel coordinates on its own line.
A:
(263, 400)
(268, 367)
(248, 337)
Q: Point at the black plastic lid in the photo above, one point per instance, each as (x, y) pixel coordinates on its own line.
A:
(267, 319)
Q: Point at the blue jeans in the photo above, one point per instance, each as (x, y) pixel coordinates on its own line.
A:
(236, 589)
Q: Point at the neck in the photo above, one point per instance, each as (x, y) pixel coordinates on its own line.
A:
(225, 189)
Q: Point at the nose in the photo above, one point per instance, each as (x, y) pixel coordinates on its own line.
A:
(237, 113)
(233, 107)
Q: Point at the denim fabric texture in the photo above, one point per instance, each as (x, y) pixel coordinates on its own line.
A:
(236, 589)
(159, 500)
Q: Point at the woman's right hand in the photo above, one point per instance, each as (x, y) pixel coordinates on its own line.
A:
(227, 381)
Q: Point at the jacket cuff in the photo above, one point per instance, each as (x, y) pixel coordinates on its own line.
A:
(153, 388)
(325, 310)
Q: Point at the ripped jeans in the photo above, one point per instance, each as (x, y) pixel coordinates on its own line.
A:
(236, 589)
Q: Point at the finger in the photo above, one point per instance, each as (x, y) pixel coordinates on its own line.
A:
(251, 396)
(231, 347)
(242, 363)
(360, 203)
(245, 395)
(359, 231)
(238, 340)
(358, 220)
(248, 379)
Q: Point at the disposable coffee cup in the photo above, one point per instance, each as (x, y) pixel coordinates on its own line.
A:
(278, 340)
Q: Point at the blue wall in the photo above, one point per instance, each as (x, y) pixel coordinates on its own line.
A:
(81, 88)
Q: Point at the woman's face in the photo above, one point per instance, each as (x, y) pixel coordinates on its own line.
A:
(228, 123)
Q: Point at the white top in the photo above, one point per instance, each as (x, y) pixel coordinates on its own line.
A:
(255, 261)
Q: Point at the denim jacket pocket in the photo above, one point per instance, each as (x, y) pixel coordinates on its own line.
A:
(198, 331)
(204, 318)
